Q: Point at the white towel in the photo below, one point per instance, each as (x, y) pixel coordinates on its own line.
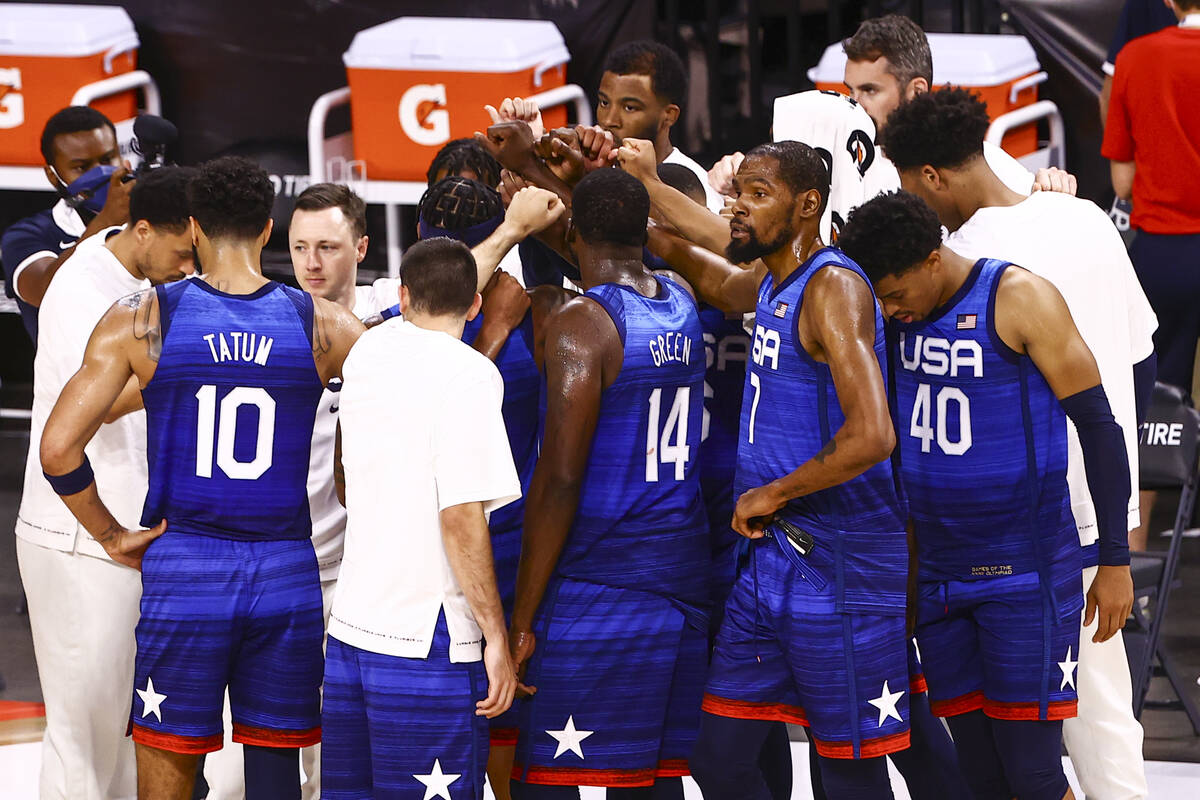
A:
(843, 133)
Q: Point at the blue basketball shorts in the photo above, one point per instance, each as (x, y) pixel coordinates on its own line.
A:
(1001, 644)
(789, 650)
(402, 727)
(220, 613)
(619, 677)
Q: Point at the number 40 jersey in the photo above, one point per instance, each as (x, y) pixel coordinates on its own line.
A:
(230, 412)
(641, 523)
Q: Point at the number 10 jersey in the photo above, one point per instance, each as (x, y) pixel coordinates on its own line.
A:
(230, 412)
(983, 443)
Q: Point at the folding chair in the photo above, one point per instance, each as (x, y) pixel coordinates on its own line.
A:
(1168, 447)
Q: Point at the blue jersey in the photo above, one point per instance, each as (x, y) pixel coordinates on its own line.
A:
(640, 523)
(230, 412)
(790, 411)
(522, 387)
(983, 443)
(28, 239)
(726, 350)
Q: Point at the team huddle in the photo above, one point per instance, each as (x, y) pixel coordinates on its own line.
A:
(702, 471)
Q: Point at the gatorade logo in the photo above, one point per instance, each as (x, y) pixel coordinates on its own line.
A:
(12, 102)
(423, 114)
(862, 150)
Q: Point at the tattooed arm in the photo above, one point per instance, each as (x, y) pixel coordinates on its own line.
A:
(125, 345)
(335, 330)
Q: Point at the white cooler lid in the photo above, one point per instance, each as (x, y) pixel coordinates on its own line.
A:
(963, 59)
(457, 44)
(37, 29)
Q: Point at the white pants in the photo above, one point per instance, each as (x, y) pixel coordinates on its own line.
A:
(83, 611)
(1105, 740)
(224, 770)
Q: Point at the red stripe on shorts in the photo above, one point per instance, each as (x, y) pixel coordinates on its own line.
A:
(673, 768)
(972, 701)
(869, 748)
(274, 737)
(567, 776)
(503, 737)
(172, 743)
(744, 709)
(1058, 709)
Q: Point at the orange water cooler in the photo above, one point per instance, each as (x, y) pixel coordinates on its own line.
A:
(48, 53)
(418, 82)
(1003, 70)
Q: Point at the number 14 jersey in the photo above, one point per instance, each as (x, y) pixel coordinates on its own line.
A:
(983, 443)
(641, 522)
(230, 412)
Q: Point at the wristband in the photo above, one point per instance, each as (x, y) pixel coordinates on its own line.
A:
(74, 481)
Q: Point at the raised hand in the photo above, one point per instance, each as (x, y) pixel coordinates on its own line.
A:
(637, 157)
(597, 146)
(516, 108)
(720, 177)
(532, 210)
(510, 143)
(560, 150)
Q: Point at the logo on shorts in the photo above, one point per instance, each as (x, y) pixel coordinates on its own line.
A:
(151, 700)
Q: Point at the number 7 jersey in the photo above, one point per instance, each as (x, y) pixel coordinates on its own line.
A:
(641, 522)
(230, 411)
(983, 443)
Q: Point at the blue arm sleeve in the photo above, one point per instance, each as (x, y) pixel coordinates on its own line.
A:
(1144, 373)
(1106, 464)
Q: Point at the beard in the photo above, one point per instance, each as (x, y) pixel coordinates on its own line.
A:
(649, 133)
(752, 247)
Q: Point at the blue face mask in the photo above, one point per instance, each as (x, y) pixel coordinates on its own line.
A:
(90, 190)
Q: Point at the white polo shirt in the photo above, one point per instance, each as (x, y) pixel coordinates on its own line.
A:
(421, 431)
(327, 514)
(712, 198)
(1070, 242)
(83, 289)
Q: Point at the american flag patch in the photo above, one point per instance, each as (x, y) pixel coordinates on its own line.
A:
(966, 322)
(781, 310)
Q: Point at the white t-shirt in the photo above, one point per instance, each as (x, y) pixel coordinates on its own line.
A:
(1073, 244)
(421, 432)
(883, 177)
(328, 516)
(714, 201)
(83, 289)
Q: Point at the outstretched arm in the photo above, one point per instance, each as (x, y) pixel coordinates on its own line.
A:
(579, 339)
(80, 410)
(837, 326)
(717, 281)
(531, 211)
(695, 222)
(1033, 318)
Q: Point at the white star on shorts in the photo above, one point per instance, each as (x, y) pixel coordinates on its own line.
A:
(1068, 671)
(886, 703)
(437, 783)
(569, 738)
(151, 700)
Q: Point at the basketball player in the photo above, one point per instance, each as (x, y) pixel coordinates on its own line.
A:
(1071, 243)
(615, 555)
(814, 628)
(987, 361)
(231, 369)
(82, 606)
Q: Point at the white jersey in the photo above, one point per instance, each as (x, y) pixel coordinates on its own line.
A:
(328, 515)
(421, 431)
(843, 133)
(712, 198)
(1073, 244)
(83, 289)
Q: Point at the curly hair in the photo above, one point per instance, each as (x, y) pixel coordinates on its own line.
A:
(668, 78)
(454, 203)
(800, 166)
(890, 234)
(611, 207)
(463, 155)
(161, 198)
(231, 197)
(896, 38)
(943, 129)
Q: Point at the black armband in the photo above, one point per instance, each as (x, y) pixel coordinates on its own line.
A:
(74, 481)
